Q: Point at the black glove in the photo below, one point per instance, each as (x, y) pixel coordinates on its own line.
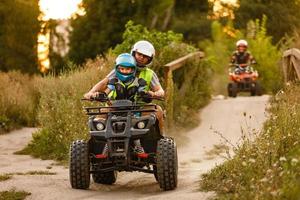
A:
(101, 97)
(146, 97)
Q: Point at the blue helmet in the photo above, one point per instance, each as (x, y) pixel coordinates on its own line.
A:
(128, 61)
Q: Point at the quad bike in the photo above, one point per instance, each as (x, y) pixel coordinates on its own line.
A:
(125, 121)
(243, 79)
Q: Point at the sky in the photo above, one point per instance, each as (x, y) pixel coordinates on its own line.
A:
(58, 9)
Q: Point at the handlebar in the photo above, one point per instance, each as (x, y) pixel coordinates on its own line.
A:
(102, 97)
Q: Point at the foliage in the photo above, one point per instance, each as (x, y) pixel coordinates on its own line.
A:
(103, 24)
(99, 29)
(19, 27)
(220, 49)
(13, 195)
(283, 16)
(194, 12)
(134, 33)
(267, 56)
(60, 110)
(269, 166)
(4, 177)
(18, 100)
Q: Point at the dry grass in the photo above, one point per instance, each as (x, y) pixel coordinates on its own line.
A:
(61, 115)
(4, 177)
(34, 173)
(18, 100)
(13, 195)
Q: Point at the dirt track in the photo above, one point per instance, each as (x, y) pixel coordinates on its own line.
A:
(224, 116)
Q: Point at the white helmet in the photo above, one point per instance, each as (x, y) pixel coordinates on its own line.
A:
(242, 43)
(144, 47)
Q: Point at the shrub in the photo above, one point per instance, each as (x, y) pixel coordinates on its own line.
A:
(268, 167)
(18, 100)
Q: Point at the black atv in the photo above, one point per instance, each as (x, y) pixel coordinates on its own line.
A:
(125, 122)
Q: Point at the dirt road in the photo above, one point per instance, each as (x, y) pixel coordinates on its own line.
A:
(225, 116)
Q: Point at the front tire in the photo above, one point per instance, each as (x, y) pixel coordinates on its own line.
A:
(167, 164)
(79, 171)
(232, 89)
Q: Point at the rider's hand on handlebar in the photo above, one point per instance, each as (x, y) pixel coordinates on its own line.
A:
(96, 96)
(88, 95)
(145, 96)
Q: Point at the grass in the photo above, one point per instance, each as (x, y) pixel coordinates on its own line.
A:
(60, 110)
(13, 195)
(7, 176)
(34, 173)
(217, 150)
(4, 177)
(18, 100)
(269, 166)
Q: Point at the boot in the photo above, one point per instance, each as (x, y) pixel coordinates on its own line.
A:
(104, 153)
(139, 150)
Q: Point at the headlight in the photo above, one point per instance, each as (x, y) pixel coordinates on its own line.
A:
(141, 125)
(100, 126)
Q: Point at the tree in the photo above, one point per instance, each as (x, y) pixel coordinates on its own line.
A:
(283, 16)
(191, 19)
(102, 26)
(99, 29)
(19, 28)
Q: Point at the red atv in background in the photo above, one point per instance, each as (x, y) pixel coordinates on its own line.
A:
(243, 79)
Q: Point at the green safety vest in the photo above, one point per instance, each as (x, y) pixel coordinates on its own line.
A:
(145, 74)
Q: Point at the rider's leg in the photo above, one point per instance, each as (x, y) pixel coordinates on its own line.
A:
(160, 117)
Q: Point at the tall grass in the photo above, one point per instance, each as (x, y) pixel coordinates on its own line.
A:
(18, 100)
(268, 167)
(60, 110)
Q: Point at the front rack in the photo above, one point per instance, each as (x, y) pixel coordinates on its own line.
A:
(97, 110)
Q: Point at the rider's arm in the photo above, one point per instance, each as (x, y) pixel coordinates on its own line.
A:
(101, 86)
(252, 60)
(157, 91)
(233, 59)
(156, 88)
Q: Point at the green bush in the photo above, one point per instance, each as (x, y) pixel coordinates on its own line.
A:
(18, 100)
(267, 56)
(269, 167)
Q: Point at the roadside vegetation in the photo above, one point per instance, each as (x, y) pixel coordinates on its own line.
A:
(4, 177)
(13, 195)
(18, 100)
(269, 166)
